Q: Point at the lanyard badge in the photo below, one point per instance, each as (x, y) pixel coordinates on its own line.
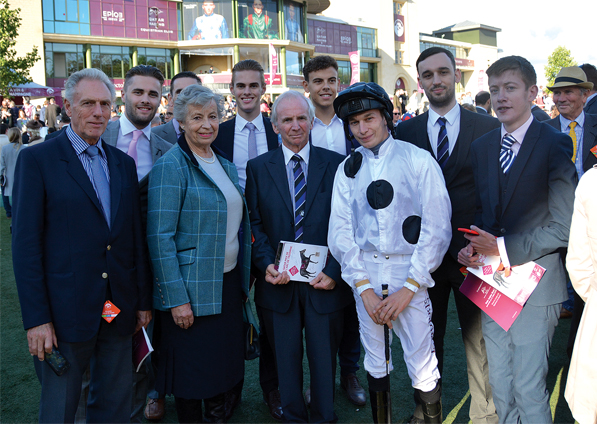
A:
(110, 311)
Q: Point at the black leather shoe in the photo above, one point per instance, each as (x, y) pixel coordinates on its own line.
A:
(274, 403)
(231, 402)
(355, 393)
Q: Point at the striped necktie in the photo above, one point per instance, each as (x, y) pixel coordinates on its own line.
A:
(506, 153)
(101, 181)
(442, 143)
(300, 195)
(572, 134)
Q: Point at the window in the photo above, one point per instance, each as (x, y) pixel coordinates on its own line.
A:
(160, 58)
(66, 16)
(62, 60)
(366, 42)
(343, 72)
(294, 62)
(398, 8)
(459, 52)
(368, 72)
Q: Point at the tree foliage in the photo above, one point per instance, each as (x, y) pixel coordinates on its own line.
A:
(560, 58)
(14, 70)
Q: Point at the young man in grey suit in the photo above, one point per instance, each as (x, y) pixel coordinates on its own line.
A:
(524, 183)
(171, 130)
(438, 76)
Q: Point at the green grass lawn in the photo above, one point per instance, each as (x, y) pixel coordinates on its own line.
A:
(20, 390)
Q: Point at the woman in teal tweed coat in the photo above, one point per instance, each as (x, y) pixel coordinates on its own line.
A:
(199, 240)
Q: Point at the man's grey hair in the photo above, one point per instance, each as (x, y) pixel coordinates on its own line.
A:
(196, 95)
(292, 95)
(87, 73)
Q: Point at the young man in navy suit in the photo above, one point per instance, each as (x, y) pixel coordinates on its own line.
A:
(244, 137)
(78, 251)
(438, 76)
(525, 184)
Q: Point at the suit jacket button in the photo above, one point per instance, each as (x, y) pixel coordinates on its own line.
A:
(387, 257)
(162, 296)
(503, 231)
(163, 302)
(104, 275)
(375, 256)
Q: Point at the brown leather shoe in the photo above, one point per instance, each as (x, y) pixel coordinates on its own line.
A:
(155, 409)
(274, 403)
(355, 393)
(232, 400)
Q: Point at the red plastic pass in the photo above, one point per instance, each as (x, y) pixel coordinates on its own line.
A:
(466, 230)
(110, 311)
(594, 150)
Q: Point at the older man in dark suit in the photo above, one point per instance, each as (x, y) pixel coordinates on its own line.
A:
(289, 196)
(80, 259)
(525, 184)
(447, 120)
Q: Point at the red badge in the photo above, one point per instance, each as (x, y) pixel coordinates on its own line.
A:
(594, 150)
(110, 311)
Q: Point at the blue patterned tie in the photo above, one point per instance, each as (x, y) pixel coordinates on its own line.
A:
(442, 143)
(506, 154)
(101, 181)
(252, 140)
(300, 195)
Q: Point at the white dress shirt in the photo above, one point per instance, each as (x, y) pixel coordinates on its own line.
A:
(330, 136)
(452, 127)
(144, 156)
(241, 144)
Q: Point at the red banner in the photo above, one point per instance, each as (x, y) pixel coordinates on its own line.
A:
(399, 28)
(355, 64)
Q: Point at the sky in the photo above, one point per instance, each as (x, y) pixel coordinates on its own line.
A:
(532, 29)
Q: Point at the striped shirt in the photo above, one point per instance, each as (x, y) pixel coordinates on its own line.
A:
(80, 147)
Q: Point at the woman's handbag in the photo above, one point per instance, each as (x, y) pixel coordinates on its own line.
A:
(251, 331)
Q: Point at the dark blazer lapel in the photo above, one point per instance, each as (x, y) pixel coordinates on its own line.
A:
(277, 170)
(226, 139)
(76, 170)
(528, 144)
(422, 136)
(457, 158)
(272, 137)
(493, 170)
(116, 174)
(589, 137)
(315, 175)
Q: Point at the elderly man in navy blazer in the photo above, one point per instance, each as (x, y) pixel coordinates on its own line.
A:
(289, 192)
(524, 182)
(78, 251)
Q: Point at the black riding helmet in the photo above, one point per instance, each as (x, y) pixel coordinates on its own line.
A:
(361, 97)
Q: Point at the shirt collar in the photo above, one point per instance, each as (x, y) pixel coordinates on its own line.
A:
(176, 126)
(304, 153)
(521, 131)
(81, 145)
(451, 116)
(334, 119)
(127, 127)
(241, 122)
(580, 121)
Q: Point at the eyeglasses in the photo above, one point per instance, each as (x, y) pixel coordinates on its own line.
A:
(396, 113)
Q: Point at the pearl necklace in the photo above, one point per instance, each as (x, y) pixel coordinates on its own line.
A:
(213, 157)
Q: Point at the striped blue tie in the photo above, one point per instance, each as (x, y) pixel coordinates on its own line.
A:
(102, 187)
(442, 143)
(300, 195)
(506, 153)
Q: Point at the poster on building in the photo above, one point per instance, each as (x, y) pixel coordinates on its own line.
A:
(207, 20)
(399, 30)
(330, 37)
(144, 19)
(258, 19)
(293, 21)
(355, 65)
